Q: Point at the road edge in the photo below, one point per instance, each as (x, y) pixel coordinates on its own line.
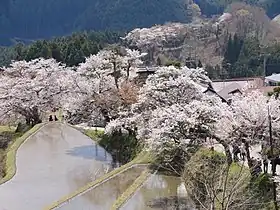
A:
(142, 158)
(131, 190)
(10, 163)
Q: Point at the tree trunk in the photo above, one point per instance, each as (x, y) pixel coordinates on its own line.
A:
(248, 156)
(127, 72)
(115, 75)
(105, 114)
(228, 153)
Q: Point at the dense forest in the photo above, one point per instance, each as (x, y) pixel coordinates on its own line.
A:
(32, 19)
(28, 20)
(242, 58)
(212, 7)
(67, 49)
(245, 58)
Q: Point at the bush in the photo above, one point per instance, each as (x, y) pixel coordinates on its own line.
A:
(176, 64)
(122, 147)
(262, 185)
(172, 160)
(5, 138)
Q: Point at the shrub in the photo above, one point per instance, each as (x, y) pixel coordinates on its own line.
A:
(122, 147)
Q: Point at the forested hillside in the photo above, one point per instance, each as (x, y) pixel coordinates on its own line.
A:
(26, 20)
(70, 50)
(212, 7)
(32, 19)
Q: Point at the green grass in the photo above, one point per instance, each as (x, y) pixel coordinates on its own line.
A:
(131, 190)
(94, 134)
(142, 158)
(10, 163)
(11, 136)
(4, 128)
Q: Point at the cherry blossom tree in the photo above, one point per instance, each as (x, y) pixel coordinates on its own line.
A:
(156, 35)
(99, 84)
(247, 119)
(172, 110)
(29, 89)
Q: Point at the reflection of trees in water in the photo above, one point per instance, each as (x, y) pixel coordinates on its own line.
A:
(159, 185)
(82, 175)
(112, 189)
(170, 203)
(160, 192)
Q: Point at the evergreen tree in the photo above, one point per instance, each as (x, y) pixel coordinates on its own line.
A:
(199, 64)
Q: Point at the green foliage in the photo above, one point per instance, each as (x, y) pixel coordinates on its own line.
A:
(172, 158)
(94, 134)
(10, 140)
(209, 180)
(213, 7)
(177, 64)
(122, 147)
(243, 58)
(262, 185)
(213, 72)
(71, 50)
(275, 92)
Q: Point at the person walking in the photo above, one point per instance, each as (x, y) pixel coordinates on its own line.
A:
(55, 118)
(243, 151)
(50, 118)
(235, 151)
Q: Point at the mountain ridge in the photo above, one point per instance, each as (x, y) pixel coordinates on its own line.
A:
(22, 20)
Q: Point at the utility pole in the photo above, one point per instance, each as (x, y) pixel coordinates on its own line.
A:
(271, 142)
(272, 161)
(264, 65)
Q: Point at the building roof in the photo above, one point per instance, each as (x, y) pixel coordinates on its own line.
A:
(211, 90)
(219, 86)
(230, 89)
(273, 77)
(244, 83)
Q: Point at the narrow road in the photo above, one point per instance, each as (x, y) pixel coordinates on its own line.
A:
(54, 162)
(255, 152)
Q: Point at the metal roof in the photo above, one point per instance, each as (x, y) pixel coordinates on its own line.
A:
(273, 77)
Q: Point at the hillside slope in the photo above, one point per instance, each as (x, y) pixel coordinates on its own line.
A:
(26, 20)
(32, 19)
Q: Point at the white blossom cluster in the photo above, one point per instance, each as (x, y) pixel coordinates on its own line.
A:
(38, 84)
(96, 77)
(173, 108)
(156, 35)
(31, 89)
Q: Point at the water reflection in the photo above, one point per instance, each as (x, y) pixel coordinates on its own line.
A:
(159, 192)
(82, 176)
(50, 165)
(90, 152)
(104, 195)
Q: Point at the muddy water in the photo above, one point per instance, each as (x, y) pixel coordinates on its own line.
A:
(158, 192)
(53, 163)
(103, 196)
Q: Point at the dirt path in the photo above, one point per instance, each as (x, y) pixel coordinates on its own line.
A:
(54, 162)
